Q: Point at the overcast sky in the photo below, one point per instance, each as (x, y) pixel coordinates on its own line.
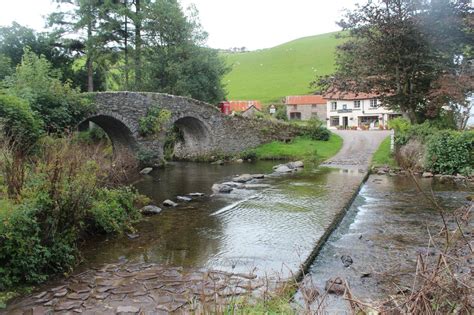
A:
(253, 24)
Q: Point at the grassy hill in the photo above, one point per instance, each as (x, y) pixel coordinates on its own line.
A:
(268, 75)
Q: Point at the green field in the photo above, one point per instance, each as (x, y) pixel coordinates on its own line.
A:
(268, 75)
(301, 148)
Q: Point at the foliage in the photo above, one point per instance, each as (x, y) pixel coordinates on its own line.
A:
(404, 50)
(152, 123)
(114, 211)
(173, 137)
(18, 122)
(59, 105)
(270, 74)
(399, 124)
(316, 130)
(450, 152)
(62, 197)
(281, 113)
(383, 156)
(15, 38)
(147, 157)
(418, 131)
(300, 148)
(6, 68)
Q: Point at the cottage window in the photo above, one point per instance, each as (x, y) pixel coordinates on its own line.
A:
(333, 106)
(344, 106)
(334, 122)
(373, 103)
(314, 106)
(295, 116)
(356, 104)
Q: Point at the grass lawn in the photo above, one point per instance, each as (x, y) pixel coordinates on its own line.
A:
(301, 148)
(382, 156)
(270, 74)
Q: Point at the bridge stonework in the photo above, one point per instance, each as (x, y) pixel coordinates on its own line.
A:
(205, 129)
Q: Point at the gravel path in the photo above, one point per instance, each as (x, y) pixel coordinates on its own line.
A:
(357, 148)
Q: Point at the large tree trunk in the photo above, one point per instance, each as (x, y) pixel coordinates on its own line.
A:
(90, 66)
(90, 75)
(126, 48)
(138, 46)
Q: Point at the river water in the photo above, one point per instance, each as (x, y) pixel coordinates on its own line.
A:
(267, 230)
(388, 225)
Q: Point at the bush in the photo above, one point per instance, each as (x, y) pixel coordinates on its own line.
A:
(59, 106)
(399, 124)
(18, 121)
(281, 113)
(113, 210)
(62, 197)
(450, 152)
(420, 132)
(153, 122)
(316, 131)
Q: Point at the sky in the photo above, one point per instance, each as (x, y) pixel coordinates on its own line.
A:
(254, 24)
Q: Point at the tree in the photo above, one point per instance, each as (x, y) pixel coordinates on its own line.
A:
(85, 28)
(401, 49)
(176, 60)
(57, 104)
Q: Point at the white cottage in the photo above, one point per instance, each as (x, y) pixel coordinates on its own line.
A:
(347, 110)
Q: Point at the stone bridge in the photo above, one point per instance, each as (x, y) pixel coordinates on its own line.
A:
(205, 130)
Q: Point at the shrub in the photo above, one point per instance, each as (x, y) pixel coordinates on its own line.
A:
(399, 124)
(420, 132)
(281, 113)
(61, 197)
(450, 152)
(153, 122)
(19, 123)
(316, 131)
(113, 210)
(59, 106)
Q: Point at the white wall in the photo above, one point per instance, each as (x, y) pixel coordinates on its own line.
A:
(353, 114)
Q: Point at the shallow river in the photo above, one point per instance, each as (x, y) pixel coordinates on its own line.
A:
(264, 230)
(387, 226)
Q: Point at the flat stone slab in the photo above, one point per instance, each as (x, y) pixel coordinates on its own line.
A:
(147, 289)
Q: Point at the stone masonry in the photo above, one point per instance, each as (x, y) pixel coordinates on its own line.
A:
(206, 131)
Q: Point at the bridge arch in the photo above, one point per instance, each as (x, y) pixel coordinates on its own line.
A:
(121, 135)
(196, 137)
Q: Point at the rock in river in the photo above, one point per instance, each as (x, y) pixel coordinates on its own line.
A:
(296, 164)
(243, 178)
(196, 194)
(150, 210)
(336, 286)
(283, 169)
(169, 203)
(346, 260)
(221, 188)
(146, 170)
(182, 198)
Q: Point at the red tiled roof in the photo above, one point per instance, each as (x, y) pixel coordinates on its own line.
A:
(238, 106)
(344, 95)
(305, 100)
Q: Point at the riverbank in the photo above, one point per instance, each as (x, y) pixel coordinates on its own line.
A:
(300, 148)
